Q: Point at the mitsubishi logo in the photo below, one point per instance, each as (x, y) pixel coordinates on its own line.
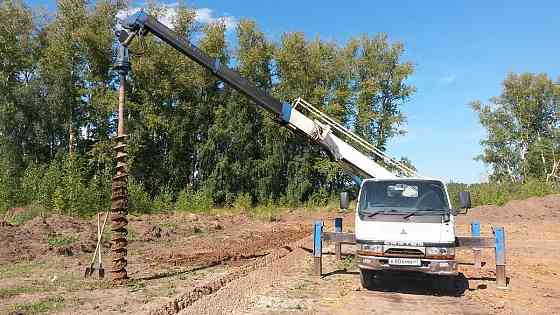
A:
(403, 232)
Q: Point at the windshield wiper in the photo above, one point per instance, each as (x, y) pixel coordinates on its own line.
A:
(426, 211)
(389, 212)
(373, 214)
(430, 210)
(410, 214)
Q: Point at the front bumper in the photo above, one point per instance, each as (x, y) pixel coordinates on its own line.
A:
(428, 266)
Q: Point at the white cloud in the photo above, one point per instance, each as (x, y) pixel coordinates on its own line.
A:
(206, 15)
(203, 15)
(448, 79)
(123, 14)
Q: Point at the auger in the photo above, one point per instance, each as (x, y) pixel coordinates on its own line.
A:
(119, 191)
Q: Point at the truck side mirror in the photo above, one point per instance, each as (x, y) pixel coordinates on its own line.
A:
(344, 200)
(465, 200)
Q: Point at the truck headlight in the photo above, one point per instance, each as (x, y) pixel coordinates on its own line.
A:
(370, 250)
(440, 252)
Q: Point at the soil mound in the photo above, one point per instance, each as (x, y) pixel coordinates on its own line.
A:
(58, 235)
(518, 211)
(71, 236)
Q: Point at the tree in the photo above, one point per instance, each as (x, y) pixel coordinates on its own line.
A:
(20, 114)
(522, 129)
(62, 69)
(380, 87)
(187, 129)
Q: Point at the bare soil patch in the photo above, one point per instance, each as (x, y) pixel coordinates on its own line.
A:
(535, 209)
(533, 256)
(54, 235)
(226, 264)
(168, 255)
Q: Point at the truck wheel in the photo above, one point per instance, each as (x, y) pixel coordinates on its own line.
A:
(366, 278)
(447, 285)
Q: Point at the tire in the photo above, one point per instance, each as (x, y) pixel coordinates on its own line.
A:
(366, 278)
(447, 285)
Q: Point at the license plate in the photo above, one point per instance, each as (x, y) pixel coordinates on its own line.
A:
(404, 262)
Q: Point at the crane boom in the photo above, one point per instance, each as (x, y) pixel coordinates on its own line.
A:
(319, 131)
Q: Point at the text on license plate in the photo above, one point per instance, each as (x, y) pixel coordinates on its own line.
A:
(404, 261)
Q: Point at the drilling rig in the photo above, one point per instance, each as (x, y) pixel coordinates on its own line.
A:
(403, 221)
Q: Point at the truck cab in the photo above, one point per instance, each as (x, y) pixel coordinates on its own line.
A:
(404, 224)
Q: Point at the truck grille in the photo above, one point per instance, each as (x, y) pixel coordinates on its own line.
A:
(404, 252)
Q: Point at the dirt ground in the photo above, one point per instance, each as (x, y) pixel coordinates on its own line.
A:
(233, 263)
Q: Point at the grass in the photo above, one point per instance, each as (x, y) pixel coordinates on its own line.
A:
(166, 289)
(268, 213)
(225, 211)
(500, 194)
(6, 293)
(301, 289)
(48, 305)
(169, 225)
(303, 284)
(201, 202)
(19, 218)
(132, 235)
(135, 285)
(347, 263)
(68, 282)
(73, 282)
(61, 240)
(107, 235)
(21, 269)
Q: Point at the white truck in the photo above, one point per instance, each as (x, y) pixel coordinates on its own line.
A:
(404, 222)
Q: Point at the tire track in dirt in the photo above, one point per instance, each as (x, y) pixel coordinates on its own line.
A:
(237, 296)
(212, 249)
(287, 286)
(212, 286)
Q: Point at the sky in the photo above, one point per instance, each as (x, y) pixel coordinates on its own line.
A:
(462, 51)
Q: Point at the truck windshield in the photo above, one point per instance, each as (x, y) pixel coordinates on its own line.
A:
(403, 196)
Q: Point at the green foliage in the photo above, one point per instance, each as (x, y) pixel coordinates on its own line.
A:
(30, 212)
(138, 199)
(8, 184)
(186, 128)
(243, 202)
(202, 201)
(164, 200)
(42, 306)
(381, 88)
(267, 212)
(99, 192)
(31, 183)
(194, 201)
(320, 198)
(46, 305)
(71, 194)
(183, 202)
(61, 240)
(49, 183)
(499, 194)
(346, 263)
(61, 185)
(522, 129)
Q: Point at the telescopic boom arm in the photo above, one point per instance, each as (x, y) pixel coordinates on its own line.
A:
(319, 131)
